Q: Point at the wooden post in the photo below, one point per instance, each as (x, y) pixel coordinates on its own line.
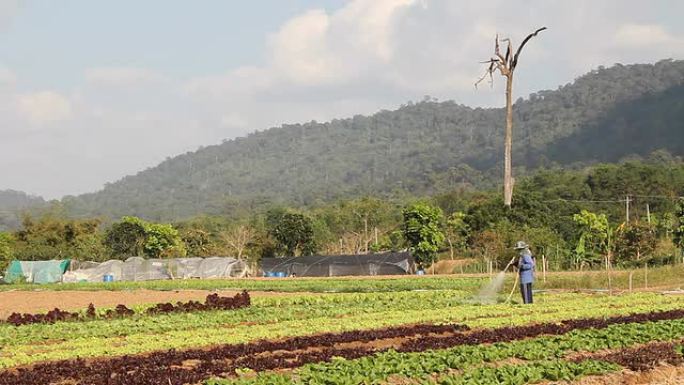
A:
(648, 213)
(365, 234)
(627, 208)
(544, 267)
(631, 275)
(610, 281)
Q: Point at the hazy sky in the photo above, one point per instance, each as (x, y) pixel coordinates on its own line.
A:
(93, 90)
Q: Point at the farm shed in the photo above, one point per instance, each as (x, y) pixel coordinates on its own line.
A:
(36, 271)
(340, 265)
(140, 269)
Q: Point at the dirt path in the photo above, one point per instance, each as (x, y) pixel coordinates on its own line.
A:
(37, 301)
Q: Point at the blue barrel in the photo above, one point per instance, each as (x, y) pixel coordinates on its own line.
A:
(108, 278)
(420, 272)
(270, 274)
(281, 274)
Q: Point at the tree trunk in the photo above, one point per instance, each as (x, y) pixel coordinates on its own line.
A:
(451, 249)
(508, 174)
(365, 234)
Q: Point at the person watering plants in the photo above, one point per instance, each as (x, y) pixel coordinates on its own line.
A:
(525, 270)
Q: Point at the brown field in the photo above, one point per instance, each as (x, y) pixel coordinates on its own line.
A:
(37, 301)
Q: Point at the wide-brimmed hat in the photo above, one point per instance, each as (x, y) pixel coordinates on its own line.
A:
(521, 245)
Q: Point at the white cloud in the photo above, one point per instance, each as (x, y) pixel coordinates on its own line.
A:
(321, 64)
(300, 51)
(122, 76)
(44, 107)
(8, 10)
(7, 77)
(242, 81)
(643, 35)
(321, 48)
(233, 120)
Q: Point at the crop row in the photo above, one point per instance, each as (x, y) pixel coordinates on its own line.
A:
(308, 285)
(552, 370)
(376, 369)
(264, 312)
(555, 370)
(212, 302)
(168, 367)
(640, 358)
(281, 317)
(645, 357)
(259, 322)
(141, 369)
(519, 332)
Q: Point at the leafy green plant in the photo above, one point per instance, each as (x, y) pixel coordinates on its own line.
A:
(6, 249)
(292, 231)
(634, 242)
(133, 236)
(595, 238)
(679, 230)
(422, 231)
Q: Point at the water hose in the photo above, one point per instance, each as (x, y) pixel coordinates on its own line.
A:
(515, 284)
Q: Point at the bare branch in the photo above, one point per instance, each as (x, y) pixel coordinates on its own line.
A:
(496, 45)
(492, 60)
(497, 50)
(508, 51)
(483, 78)
(517, 53)
(493, 64)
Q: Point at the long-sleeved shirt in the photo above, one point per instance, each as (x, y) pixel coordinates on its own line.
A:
(526, 267)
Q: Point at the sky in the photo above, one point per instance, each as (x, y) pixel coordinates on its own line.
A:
(94, 90)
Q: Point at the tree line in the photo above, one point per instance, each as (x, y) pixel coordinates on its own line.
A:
(577, 219)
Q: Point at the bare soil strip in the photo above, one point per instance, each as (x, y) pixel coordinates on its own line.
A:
(37, 301)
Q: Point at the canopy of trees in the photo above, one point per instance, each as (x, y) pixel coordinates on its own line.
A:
(577, 219)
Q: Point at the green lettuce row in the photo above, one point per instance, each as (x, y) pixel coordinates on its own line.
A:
(319, 285)
(531, 373)
(556, 370)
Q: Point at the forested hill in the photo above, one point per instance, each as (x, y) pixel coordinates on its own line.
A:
(12, 203)
(420, 148)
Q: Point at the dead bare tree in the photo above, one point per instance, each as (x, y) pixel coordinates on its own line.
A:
(237, 239)
(506, 65)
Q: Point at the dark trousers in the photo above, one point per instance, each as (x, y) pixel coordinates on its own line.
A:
(526, 291)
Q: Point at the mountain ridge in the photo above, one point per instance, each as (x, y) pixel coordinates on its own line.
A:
(419, 148)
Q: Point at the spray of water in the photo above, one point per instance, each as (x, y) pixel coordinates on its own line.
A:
(487, 295)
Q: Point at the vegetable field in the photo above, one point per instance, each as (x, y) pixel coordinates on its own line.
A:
(397, 334)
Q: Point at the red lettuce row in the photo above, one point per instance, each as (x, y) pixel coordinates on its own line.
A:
(212, 302)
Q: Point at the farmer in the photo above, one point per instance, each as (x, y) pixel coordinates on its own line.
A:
(525, 270)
